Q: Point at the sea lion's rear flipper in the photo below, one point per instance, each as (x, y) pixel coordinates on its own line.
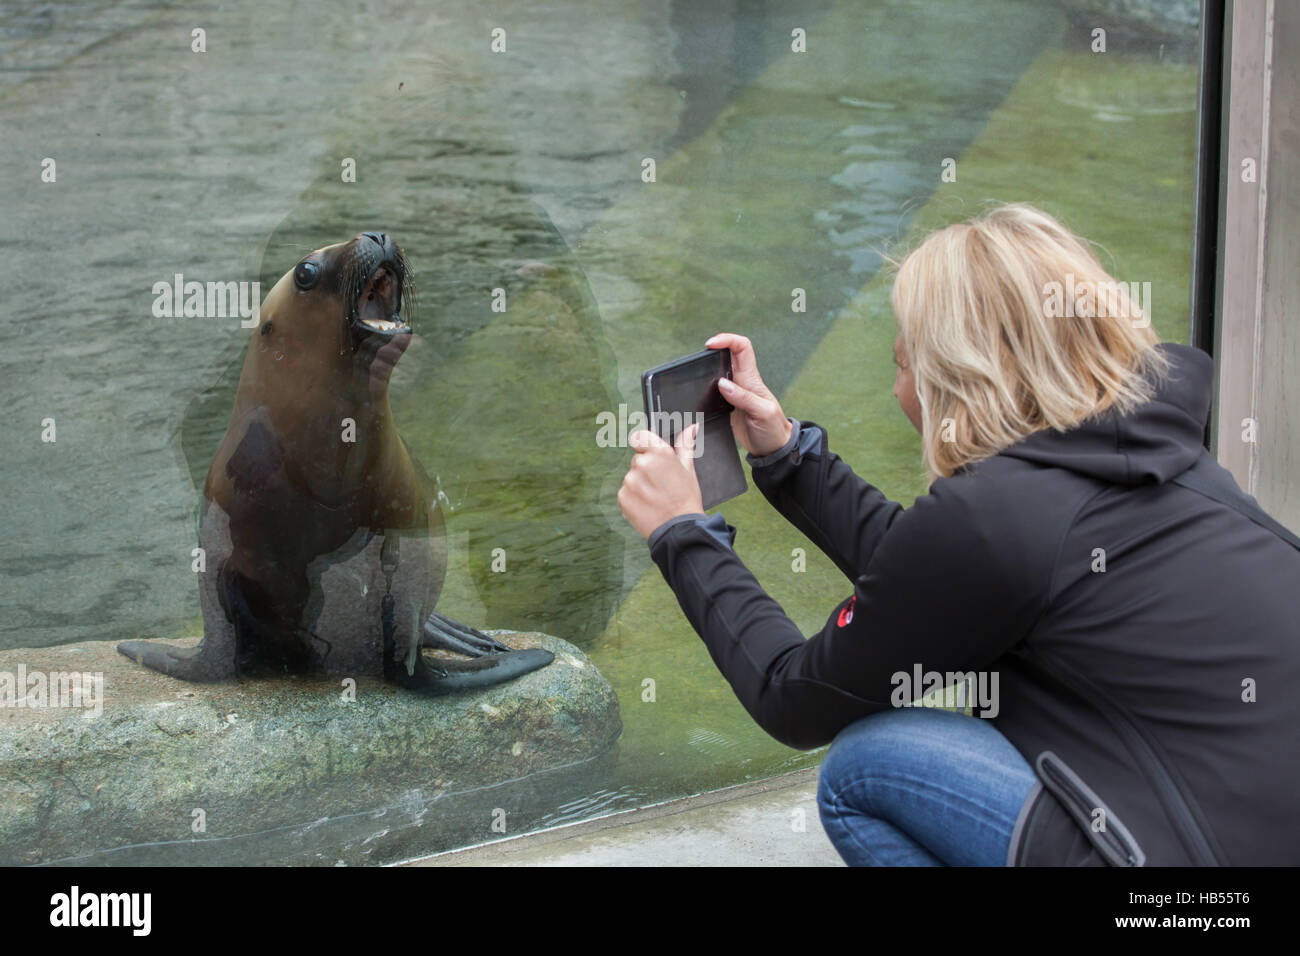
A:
(493, 662)
(187, 663)
(442, 631)
(442, 676)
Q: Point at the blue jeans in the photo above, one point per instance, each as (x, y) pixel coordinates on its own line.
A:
(918, 786)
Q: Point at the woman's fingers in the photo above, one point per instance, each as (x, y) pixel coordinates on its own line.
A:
(744, 366)
(757, 407)
(643, 440)
(684, 449)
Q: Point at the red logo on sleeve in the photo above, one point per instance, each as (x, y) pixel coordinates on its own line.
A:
(846, 613)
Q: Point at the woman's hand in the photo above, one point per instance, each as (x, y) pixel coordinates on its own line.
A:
(660, 483)
(758, 421)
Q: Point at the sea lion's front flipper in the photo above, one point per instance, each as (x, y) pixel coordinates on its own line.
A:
(442, 676)
(442, 631)
(187, 663)
(214, 658)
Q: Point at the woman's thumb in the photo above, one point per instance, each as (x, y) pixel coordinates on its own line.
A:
(685, 447)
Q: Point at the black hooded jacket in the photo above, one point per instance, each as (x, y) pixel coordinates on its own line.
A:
(1145, 638)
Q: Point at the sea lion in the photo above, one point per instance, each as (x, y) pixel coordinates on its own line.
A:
(323, 539)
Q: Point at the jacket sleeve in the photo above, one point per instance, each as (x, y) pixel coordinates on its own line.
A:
(939, 591)
(819, 494)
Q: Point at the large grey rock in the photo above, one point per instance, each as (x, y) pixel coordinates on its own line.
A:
(285, 770)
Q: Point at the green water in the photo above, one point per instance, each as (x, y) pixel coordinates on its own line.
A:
(775, 170)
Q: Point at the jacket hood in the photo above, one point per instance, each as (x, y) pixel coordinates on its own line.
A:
(1152, 444)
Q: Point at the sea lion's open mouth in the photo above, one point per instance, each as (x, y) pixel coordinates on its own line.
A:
(379, 304)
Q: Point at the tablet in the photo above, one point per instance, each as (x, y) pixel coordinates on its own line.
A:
(685, 391)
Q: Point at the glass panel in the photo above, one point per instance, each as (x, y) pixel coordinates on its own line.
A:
(505, 148)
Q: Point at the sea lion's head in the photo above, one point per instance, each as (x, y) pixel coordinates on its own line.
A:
(335, 318)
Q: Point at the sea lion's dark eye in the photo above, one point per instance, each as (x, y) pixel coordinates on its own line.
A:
(307, 274)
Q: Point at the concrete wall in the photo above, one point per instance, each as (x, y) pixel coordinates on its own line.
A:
(1259, 256)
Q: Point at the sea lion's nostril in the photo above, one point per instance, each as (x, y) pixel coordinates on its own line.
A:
(378, 237)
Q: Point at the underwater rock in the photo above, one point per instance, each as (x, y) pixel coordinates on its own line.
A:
(283, 769)
(1138, 24)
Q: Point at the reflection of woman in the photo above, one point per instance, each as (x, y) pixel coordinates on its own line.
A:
(1141, 637)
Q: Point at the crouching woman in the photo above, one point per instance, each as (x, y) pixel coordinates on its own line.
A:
(1141, 615)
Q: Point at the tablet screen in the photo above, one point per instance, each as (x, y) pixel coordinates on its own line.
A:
(690, 388)
(685, 391)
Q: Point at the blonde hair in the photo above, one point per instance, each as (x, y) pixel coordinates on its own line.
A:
(979, 307)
